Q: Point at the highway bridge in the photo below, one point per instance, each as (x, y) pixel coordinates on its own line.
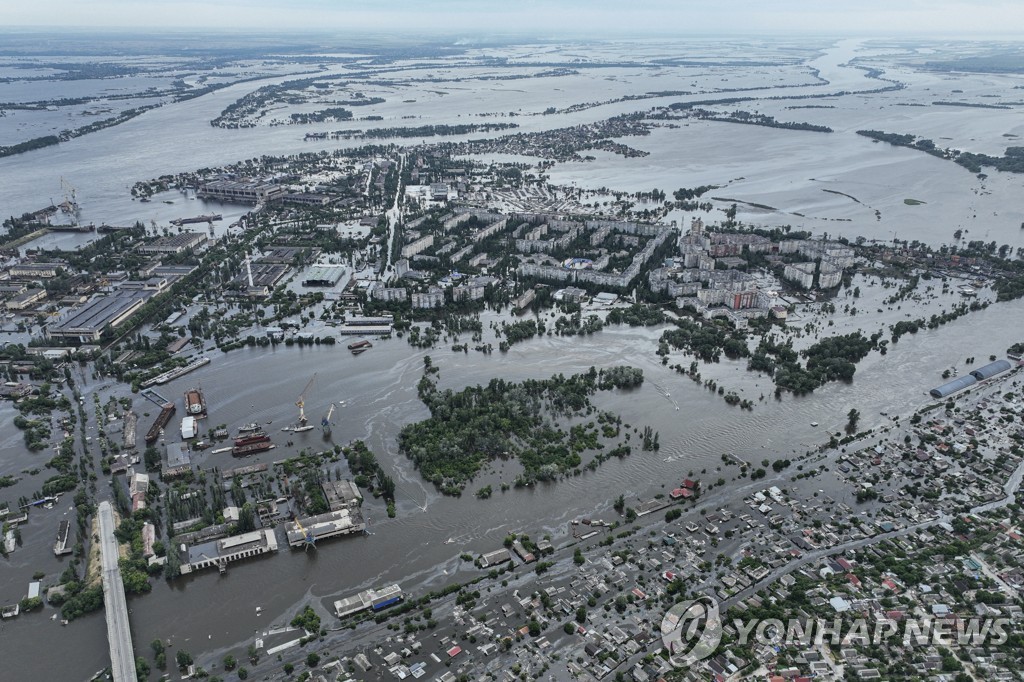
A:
(119, 634)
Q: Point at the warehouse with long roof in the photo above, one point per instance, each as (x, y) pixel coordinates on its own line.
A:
(951, 387)
(981, 374)
(991, 369)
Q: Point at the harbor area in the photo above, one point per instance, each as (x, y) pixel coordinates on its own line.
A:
(221, 552)
(313, 529)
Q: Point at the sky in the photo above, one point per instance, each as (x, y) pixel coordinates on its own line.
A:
(541, 18)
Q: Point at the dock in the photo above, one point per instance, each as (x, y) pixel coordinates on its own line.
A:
(167, 411)
(173, 374)
(154, 397)
(198, 219)
(61, 546)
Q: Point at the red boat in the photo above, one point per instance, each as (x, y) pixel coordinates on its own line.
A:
(251, 448)
(258, 437)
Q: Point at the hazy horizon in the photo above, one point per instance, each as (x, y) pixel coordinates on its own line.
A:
(595, 18)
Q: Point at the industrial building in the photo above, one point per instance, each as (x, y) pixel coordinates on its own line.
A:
(499, 556)
(341, 494)
(332, 524)
(306, 199)
(86, 324)
(981, 374)
(264, 275)
(286, 255)
(991, 369)
(35, 270)
(367, 599)
(368, 330)
(27, 299)
(179, 460)
(951, 387)
(174, 243)
(220, 552)
(240, 191)
(358, 321)
(324, 276)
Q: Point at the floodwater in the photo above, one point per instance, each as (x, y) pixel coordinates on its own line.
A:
(780, 168)
(783, 169)
(378, 389)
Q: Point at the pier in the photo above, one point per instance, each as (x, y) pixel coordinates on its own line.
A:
(175, 373)
(115, 606)
(154, 397)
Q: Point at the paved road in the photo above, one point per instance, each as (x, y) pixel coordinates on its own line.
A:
(119, 634)
(394, 216)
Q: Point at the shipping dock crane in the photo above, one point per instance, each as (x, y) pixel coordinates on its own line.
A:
(301, 402)
(70, 203)
(325, 423)
(308, 540)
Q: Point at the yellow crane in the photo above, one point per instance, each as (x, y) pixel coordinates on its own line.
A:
(301, 402)
(308, 540)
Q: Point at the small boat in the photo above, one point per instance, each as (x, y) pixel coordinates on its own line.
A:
(449, 541)
(252, 426)
(357, 351)
(814, 423)
(259, 610)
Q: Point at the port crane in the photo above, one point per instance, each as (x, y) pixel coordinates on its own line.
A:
(308, 540)
(70, 203)
(325, 423)
(301, 402)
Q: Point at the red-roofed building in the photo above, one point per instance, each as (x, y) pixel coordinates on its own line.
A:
(691, 484)
(638, 593)
(454, 651)
(854, 580)
(678, 493)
